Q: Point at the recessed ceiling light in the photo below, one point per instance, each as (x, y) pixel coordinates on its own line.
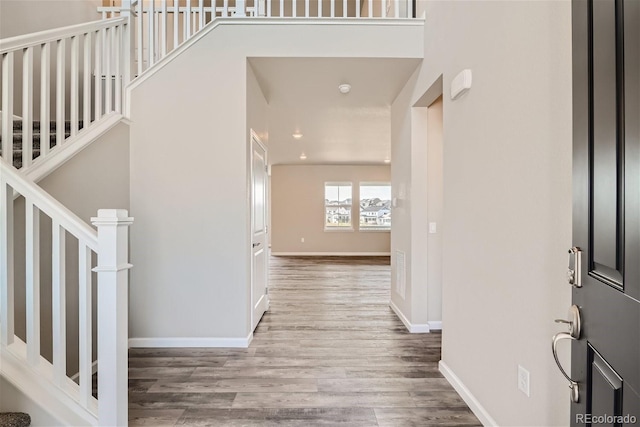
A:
(387, 160)
(344, 88)
(303, 156)
(297, 135)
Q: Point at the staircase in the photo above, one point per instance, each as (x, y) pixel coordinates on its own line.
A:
(37, 137)
(14, 419)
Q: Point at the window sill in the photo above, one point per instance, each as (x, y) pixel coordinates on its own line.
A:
(374, 230)
(339, 229)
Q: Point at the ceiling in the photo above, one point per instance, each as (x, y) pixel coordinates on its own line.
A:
(303, 96)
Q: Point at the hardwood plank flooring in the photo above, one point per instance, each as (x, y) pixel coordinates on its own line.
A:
(329, 352)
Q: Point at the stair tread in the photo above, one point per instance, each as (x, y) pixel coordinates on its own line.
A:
(14, 419)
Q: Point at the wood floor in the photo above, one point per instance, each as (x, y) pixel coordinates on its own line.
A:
(329, 352)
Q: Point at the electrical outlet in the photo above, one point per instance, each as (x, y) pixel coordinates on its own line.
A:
(523, 381)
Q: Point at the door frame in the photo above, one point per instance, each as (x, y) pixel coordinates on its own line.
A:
(253, 136)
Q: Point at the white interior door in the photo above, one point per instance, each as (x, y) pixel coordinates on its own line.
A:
(259, 250)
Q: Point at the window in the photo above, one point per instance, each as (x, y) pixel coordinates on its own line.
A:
(337, 206)
(375, 206)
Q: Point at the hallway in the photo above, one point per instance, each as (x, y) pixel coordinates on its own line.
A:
(328, 352)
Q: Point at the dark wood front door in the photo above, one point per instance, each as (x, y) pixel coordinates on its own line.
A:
(605, 360)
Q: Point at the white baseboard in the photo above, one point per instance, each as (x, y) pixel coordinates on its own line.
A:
(466, 395)
(411, 327)
(330, 253)
(191, 342)
(435, 325)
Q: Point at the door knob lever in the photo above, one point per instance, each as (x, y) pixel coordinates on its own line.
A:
(573, 322)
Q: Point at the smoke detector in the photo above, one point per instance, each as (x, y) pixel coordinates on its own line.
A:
(344, 88)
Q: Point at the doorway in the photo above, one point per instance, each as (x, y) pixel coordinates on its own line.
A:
(434, 212)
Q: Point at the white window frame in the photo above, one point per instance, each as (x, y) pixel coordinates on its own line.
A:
(344, 205)
(372, 228)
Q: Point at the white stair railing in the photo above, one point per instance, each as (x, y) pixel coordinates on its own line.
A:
(163, 25)
(69, 79)
(109, 244)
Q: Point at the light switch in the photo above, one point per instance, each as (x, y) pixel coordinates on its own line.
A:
(432, 228)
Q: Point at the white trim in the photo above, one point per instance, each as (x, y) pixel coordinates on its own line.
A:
(330, 253)
(435, 325)
(42, 167)
(180, 342)
(413, 328)
(466, 395)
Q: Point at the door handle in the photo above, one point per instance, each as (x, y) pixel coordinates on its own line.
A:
(573, 385)
(575, 326)
(256, 244)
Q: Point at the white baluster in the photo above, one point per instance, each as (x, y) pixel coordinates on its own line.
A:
(397, 8)
(86, 81)
(358, 8)
(113, 285)
(225, 8)
(58, 295)
(383, 11)
(108, 55)
(410, 9)
(281, 8)
(6, 263)
(27, 107)
(269, 8)
(370, 8)
(32, 261)
(117, 74)
(151, 34)
(187, 20)
(75, 58)
(176, 23)
(60, 92)
(306, 8)
(201, 13)
(45, 98)
(320, 8)
(98, 77)
(294, 4)
(84, 322)
(344, 8)
(139, 32)
(163, 26)
(7, 107)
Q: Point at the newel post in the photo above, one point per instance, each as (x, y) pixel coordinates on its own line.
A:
(113, 281)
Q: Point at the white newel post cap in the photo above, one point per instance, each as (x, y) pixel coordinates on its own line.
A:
(112, 217)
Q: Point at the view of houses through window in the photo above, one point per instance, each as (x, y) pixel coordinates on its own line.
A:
(374, 206)
(337, 205)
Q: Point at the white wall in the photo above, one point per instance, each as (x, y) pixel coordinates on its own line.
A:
(297, 200)
(189, 180)
(507, 196)
(28, 16)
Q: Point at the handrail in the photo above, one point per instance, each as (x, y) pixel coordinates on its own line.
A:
(41, 37)
(50, 206)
